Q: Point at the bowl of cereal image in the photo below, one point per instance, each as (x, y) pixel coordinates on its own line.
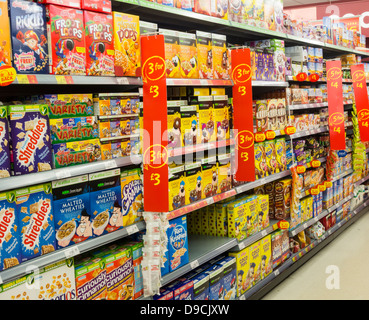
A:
(100, 221)
(66, 231)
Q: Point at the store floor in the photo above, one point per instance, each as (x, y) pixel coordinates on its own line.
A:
(342, 264)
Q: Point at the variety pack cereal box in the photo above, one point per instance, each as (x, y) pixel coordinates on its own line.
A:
(71, 207)
(5, 42)
(177, 243)
(36, 220)
(126, 44)
(29, 37)
(66, 34)
(4, 143)
(99, 44)
(69, 105)
(10, 246)
(31, 140)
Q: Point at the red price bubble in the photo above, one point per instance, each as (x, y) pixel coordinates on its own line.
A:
(270, 135)
(245, 140)
(7, 75)
(336, 119)
(260, 137)
(315, 164)
(242, 73)
(153, 69)
(300, 169)
(314, 191)
(314, 77)
(290, 130)
(302, 76)
(283, 225)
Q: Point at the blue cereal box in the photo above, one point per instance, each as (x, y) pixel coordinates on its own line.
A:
(201, 286)
(229, 277)
(30, 135)
(10, 248)
(177, 243)
(216, 282)
(29, 37)
(105, 201)
(36, 220)
(4, 143)
(71, 207)
(183, 290)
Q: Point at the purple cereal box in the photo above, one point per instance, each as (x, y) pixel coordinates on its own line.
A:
(4, 144)
(31, 143)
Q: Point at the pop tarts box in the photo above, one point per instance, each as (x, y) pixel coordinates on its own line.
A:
(216, 282)
(36, 220)
(4, 143)
(71, 207)
(229, 277)
(29, 37)
(105, 201)
(177, 243)
(10, 247)
(30, 134)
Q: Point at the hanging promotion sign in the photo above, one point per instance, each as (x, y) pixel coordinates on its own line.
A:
(335, 106)
(243, 114)
(155, 153)
(361, 100)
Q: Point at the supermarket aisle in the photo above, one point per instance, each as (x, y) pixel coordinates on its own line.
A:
(349, 253)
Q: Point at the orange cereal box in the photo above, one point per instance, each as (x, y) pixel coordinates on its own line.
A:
(126, 44)
(204, 55)
(5, 45)
(188, 55)
(172, 59)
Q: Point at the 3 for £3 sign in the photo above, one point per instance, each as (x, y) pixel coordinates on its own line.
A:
(243, 114)
(335, 106)
(155, 153)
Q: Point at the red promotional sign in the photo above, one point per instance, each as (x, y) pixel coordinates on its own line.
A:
(243, 114)
(335, 106)
(155, 153)
(361, 100)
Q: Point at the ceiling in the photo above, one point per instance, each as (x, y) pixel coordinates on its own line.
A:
(293, 3)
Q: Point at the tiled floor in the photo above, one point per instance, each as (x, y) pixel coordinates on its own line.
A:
(340, 271)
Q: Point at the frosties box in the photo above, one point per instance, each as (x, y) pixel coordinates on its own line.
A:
(29, 37)
(97, 5)
(4, 143)
(99, 44)
(5, 42)
(66, 39)
(10, 247)
(36, 220)
(31, 142)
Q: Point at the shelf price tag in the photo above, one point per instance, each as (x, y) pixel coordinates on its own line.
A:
(302, 76)
(243, 114)
(283, 225)
(155, 143)
(260, 137)
(361, 100)
(314, 77)
(270, 135)
(336, 120)
(316, 164)
(290, 130)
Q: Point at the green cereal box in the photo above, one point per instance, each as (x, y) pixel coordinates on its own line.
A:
(242, 267)
(237, 219)
(262, 208)
(222, 219)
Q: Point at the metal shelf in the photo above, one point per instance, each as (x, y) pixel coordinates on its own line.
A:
(308, 106)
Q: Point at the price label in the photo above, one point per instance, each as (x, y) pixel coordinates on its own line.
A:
(22, 79)
(260, 137)
(328, 184)
(61, 80)
(132, 229)
(316, 164)
(62, 174)
(194, 264)
(71, 252)
(290, 130)
(283, 225)
(300, 169)
(314, 77)
(110, 164)
(302, 76)
(270, 135)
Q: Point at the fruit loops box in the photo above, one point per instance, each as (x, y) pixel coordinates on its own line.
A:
(97, 5)
(29, 37)
(10, 246)
(5, 42)
(73, 129)
(132, 196)
(78, 152)
(31, 142)
(69, 105)
(105, 201)
(99, 44)
(4, 143)
(177, 243)
(66, 38)
(71, 203)
(36, 220)
(126, 44)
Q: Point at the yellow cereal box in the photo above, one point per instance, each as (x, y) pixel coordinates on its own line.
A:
(204, 55)
(255, 259)
(309, 207)
(266, 265)
(220, 56)
(303, 203)
(237, 219)
(263, 211)
(196, 222)
(221, 117)
(171, 47)
(243, 264)
(188, 55)
(207, 131)
(204, 216)
(193, 182)
(224, 172)
(261, 169)
(177, 191)
(280, 149)
(222, 219)
(189, 125)
(126, 44)
(252, 215)
(209, 176)
(212, 220)
(174, 124)
(5, 44)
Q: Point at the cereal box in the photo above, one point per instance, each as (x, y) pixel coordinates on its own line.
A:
(221, 117)
(224, 172)
(271, 156)
(189, 125)
(222, 219)
(220, 56)
(29, 37)
(4, 143)
(280, 149)
(10, 243)
(209, 174)
(216, 282)
(96, 5)
(66, 39)
(229, 265)
(261, 116)
(276, 248)
(36, 220)
(126, 44)
(176, 185)
(272, 114)
(266, 267)
(188, 55)
(237, 219)
(99, 43)
(200, 286)
(69, 105)
(263, 211)
(204, 55)
(5, 47)
(207, 131)
(261, 169)
(281, 114)
(172, 51)
(202, 6)
(255, 262)
(182, 289)
(193, 182)
(132, 196)
(147, 27)
(71, 207)
(236, 8)
(282, 199)
(174, 124)
(65, 3)
(78, 152)
(73, 129)
(90, 278)
(177, 243)
(105, 201)
(242, 268)
(251, 215)
(31, 140)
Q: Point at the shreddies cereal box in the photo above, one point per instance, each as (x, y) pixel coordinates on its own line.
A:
(66, 38)
(4, 143)
(29, 37)
(10, 247)
(177, 243)
(5, 44)
(36, 220)
(99, 44)
(31, 140)
(126, 44)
